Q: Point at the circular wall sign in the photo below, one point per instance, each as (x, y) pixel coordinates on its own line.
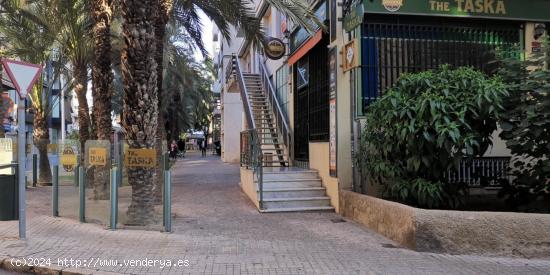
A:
(274, 48)
(392, 5)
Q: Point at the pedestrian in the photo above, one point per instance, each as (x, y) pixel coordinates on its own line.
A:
(173, 150)
(181, 147)
(203, 147)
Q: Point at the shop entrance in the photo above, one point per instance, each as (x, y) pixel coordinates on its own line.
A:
(311, 101)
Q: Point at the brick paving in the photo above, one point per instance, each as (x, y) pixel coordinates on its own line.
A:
(218, 231)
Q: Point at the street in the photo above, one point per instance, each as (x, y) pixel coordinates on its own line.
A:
(218, 231)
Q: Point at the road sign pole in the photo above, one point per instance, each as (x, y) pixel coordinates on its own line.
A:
(22, 161)
(23, 75)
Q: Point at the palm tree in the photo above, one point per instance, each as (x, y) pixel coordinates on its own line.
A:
(33, 43)
(140, 101)
(141, 76)
(72, 31)
(102, 80)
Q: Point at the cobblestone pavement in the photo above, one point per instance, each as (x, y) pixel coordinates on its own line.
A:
(218, 231)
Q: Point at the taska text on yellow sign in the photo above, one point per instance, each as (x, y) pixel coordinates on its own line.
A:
(97, 156)
(68, 159)
(140, 158)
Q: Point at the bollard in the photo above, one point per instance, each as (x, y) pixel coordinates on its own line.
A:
(34, 170)
(82, 193)
(55, 192)
(120, 163)
(167, 192)
(114, 198)
(76, 175)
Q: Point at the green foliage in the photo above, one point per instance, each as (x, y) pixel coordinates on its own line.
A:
(526, 130)
(73, 135)
(423, 127)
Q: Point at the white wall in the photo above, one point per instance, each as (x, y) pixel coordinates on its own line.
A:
(231, 127)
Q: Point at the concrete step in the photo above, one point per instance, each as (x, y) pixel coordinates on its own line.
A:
(296, 202)
(298, 192)
(291, 175)
(291, 183)
(297, 209)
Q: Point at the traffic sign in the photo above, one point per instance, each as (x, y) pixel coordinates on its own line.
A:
(22, 74)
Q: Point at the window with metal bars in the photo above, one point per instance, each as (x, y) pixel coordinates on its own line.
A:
(403, 45)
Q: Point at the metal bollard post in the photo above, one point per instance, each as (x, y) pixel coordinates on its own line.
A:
(167, 192)
(55, 192)
(120, 164)
(76, 169)
(76, 175)
(114, 198)
(34, 170)
(82, 188)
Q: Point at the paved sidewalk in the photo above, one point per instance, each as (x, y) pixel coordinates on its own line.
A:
(218, 231)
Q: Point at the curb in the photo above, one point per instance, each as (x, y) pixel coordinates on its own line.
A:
(6, 264)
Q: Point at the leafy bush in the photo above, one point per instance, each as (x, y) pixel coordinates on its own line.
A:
(526, 130)
(423, 127)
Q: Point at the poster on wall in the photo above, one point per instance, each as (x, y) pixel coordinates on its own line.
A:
(333, 69)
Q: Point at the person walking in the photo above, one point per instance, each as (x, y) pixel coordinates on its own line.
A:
(203, 147)
(181, 147)
(173, 150)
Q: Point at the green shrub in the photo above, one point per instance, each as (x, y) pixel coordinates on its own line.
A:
(424, 126)
(526, 130)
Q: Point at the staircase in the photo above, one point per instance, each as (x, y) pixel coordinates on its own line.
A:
(293, 189)
(271, 142)
(280, 187)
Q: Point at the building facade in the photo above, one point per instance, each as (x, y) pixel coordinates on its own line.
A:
(328, 78)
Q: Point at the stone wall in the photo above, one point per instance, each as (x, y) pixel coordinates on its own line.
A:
(452, 232)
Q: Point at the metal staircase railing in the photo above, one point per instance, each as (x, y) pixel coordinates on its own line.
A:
(280, 118)
(251, 148)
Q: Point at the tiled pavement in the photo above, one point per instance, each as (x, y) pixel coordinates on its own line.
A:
(218, 231)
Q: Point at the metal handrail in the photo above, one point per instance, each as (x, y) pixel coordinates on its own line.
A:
(244, 93)
(281, 119)
(11, 165)
(251, 153)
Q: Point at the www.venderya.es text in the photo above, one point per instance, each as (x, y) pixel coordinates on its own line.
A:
(99, 262)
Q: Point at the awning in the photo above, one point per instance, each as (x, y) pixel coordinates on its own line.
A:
(304, 49)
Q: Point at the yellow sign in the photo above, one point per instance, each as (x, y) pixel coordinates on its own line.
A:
(68, 160)
(97, 156)
(140, 158)
(52, 148)
(350, 55)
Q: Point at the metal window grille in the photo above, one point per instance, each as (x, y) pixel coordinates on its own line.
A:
(311, 101)
(393, 48)
(481, 172)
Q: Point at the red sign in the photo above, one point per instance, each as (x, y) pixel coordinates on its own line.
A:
(22, 74)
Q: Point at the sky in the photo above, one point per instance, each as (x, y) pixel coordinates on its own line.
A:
(206, 35)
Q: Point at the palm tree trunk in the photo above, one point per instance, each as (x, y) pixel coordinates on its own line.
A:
(41, 138)
(81, 87)
(140, 108)
(102, 78)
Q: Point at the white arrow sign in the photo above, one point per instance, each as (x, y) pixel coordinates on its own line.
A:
(22, 74)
